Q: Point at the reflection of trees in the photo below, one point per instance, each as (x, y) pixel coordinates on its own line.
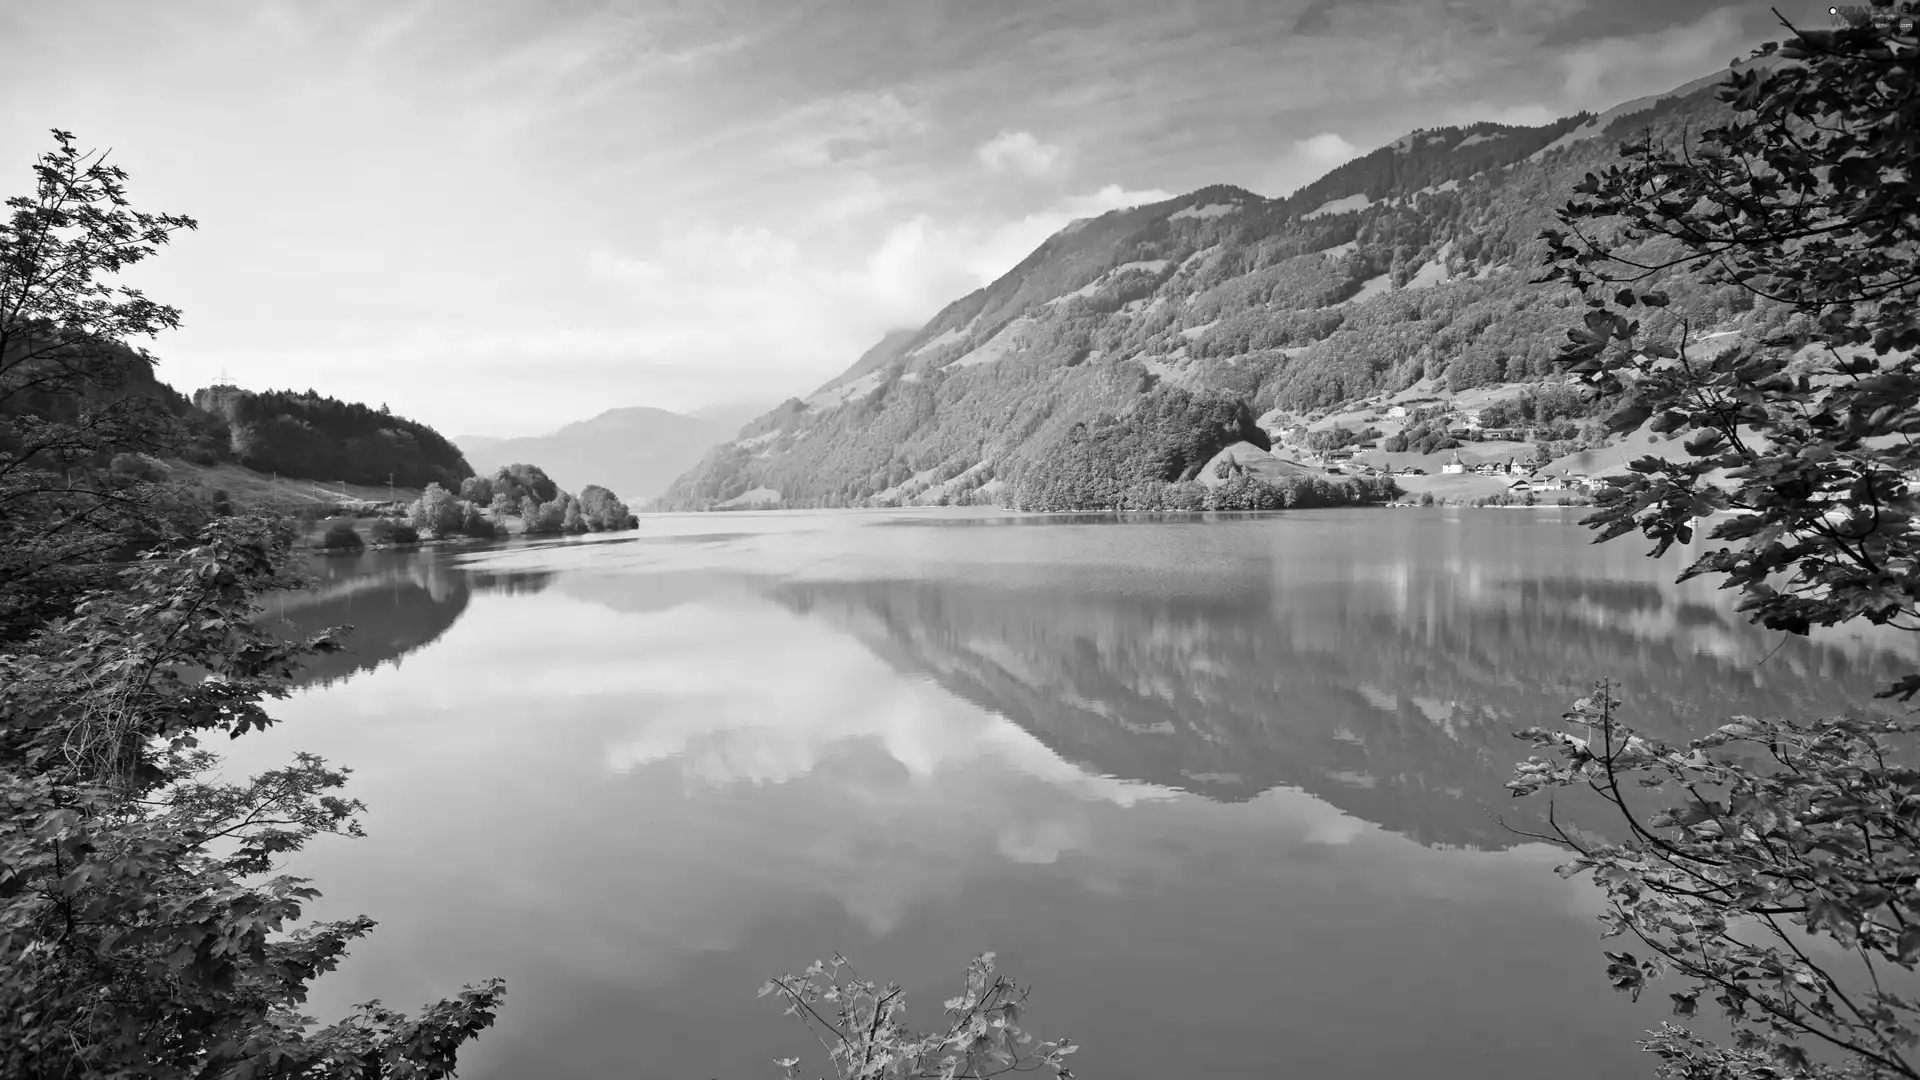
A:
(396, 603)
(1392, 696)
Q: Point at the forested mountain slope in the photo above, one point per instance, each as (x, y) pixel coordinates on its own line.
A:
(1413, 261)
(311, 436)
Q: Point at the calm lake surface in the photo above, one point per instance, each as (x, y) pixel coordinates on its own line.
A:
(1218, 789)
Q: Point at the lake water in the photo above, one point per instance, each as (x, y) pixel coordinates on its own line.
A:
(1220, 790)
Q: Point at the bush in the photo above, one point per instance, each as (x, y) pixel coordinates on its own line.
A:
(220, 504)
(138, 467)
(477, 489)
(342, 536)
(389, 531)
(436, 511)
(477, 524)
(1426, 498)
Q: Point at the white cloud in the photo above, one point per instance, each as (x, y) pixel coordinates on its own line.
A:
(706, 309)
(1326, 149)
(1019, 152)
(1602, 73)
(1307, 160)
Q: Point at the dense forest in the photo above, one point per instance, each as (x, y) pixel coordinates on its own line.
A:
(1121, 462)
(310, 436)
(1412, 262)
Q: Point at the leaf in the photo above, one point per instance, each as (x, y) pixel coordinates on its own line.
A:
(1909, 945)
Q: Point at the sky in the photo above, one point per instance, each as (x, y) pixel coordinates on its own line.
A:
(500, 217)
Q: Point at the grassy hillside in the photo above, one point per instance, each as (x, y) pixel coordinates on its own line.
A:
(1409, 268)
(248, 488)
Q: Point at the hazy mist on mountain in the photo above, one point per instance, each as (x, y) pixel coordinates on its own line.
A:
(634, 451)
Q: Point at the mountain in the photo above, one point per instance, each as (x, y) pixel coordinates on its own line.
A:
(307, 435)
(734, 415)
(636, 451)
(1413, 262)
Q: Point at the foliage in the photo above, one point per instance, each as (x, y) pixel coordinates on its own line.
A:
(475, 523)
(477, 489)
(436, 511)
(72, 396)
(604, 512)
(1167, 436)
(862, 1027)
(1825, 485)
(342, 536)
(1785, 830)
(1539, 405)
(389, 531)
(140, 935)
(519, 482)
(309, 435)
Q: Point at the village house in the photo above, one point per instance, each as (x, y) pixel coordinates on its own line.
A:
(1397, 412)
(1454, 464)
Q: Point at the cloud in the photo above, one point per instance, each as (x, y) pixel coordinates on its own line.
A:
(849, 127)
(1326, 149)
(1019, 152)
(705, 308)
(1307, 160)
(1530, 114)
(1603, 72)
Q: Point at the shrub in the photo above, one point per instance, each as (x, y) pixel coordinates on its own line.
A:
(389, 531)
(477, 524)
(342, 536)
(436, 511)
(138, 467)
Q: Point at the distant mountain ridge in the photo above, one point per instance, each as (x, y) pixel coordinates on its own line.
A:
(636, 451)
(1413, 261)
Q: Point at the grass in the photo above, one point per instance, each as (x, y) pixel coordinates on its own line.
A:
(247, 488)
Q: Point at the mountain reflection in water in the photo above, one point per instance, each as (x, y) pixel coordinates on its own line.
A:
(1385, 684)
(1249, 763)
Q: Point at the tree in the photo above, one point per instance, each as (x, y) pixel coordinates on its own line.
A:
(521, 481)
(861, 1025)
(603, 510)
(436, 511)
(544, 518)
(1784, 829)
(476, 489)
(140, 932)
(476, 524)
(342, 536)
(72, 394)
(389, 531)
